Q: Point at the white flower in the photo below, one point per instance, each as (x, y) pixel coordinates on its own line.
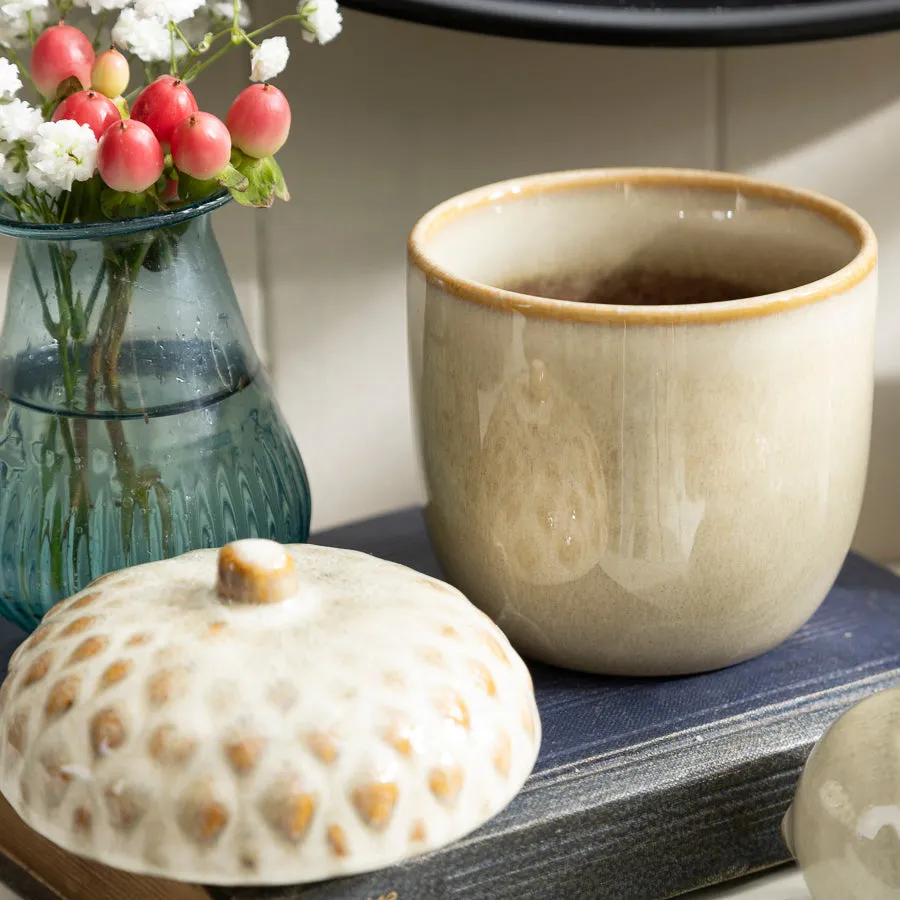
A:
(10, 83)
(19, 9)
(214, 17)
(63, 152)
(222, 11)
(19, 121)
(167, 10)
(148, 39)
(323, 20)
(12, 178)
(99, 6)
(14, 30)
(269, 59)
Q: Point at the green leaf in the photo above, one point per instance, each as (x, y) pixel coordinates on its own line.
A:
(239, 159)
(122, 205)
(281, 191)
(112, 203)
(85, 200)
(192, 189)
(161, 253)
(68, 87)
(233, 179)
(79, 319)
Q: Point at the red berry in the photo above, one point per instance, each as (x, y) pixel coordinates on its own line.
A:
(60, 52)
(110, 74)
(162, 105)
(129, 157)
(89, 108)
(259, 120)
(201, 145)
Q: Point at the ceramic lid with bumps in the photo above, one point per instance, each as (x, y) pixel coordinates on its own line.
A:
(264, 715)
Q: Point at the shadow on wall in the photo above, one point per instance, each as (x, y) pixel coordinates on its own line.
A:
(878, 534)
(835, 128)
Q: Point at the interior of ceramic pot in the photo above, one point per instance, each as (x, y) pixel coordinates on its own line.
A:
(647, 242)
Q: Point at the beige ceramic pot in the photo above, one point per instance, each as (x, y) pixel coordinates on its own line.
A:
(844, 825)
(265, 716)
(648, 484)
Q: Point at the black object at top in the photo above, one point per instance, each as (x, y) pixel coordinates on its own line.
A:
(659, 23)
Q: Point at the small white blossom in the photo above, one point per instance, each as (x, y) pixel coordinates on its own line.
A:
(12, 176)
(19, 121)
(19, 9)
(269, 59)
(14, 30)
(63, 152)
(323, 20)
(10, 83)
(148, 39)
(100, 6)
(222, 11)
(167, 10)
(214, 17)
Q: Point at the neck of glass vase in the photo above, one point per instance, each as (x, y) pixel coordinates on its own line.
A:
(126, 325)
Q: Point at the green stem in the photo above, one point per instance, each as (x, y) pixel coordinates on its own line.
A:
(62, 275)
(101, 24)
(291, 17)
(100, 342)
(190, 74)
(95, 292)
(181, 37)
(23, 69)
(173, 61)
(239, 36)
(120, 317)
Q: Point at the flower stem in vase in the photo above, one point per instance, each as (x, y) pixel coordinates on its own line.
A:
(123, 266)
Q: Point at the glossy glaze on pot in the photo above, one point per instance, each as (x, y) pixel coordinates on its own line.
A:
(653, 489)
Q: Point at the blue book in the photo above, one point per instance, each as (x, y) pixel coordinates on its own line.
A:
(644, 788)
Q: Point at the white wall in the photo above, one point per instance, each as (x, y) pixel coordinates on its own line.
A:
(392, 118)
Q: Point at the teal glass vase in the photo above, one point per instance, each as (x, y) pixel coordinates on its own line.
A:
(136, 422)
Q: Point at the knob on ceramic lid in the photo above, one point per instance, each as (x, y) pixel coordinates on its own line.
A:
(256, 571)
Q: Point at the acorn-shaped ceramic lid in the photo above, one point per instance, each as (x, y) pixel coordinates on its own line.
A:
(264, 715)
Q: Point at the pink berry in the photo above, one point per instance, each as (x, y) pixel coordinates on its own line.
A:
(110, 74)
(129, 157)
(162, 105)
(201, 145)
(259, 120)
(59, 53)
(89, 108)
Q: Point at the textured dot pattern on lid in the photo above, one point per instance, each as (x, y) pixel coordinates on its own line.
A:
(264, 717)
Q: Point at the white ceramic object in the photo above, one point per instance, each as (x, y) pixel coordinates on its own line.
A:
(643, 487)
(284, 715)
(843, 827)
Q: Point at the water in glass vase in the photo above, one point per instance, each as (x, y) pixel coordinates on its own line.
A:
(135, 420)
(182, 476)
